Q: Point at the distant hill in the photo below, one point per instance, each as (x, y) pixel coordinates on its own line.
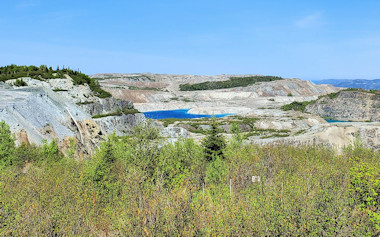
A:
(352, 83)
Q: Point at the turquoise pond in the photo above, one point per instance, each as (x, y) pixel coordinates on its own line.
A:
(179, 114)
(335, 121)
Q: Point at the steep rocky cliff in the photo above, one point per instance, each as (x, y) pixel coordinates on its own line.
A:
(348, 105)
(58, 109)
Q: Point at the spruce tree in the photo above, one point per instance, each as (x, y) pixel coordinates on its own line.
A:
(214, 143)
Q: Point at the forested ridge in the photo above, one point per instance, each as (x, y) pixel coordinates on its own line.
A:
(136, 186)
(44, 72)
(230, 83)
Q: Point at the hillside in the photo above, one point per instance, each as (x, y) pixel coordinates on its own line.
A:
(348, 105)
(62, 109)
(43, 73)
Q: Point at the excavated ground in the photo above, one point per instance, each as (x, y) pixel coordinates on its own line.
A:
(262, 101)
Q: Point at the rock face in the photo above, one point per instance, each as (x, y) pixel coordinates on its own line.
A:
(56, 109)
(106, 106)
(337, 136)
(348, 106)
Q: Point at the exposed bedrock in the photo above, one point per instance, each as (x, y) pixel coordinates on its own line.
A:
(36, 112)
(348, 106)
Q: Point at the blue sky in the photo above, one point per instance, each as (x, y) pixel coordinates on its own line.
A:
(303, 39)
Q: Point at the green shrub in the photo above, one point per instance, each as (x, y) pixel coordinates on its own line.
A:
(50, 152)
(58, 90)
(20, 82)
(297, 106)
(117, 113)
(99, 168)
(217, 171)
(333, 95)
(27, 153)
(180, 162)
(7, 145)
(130, 111)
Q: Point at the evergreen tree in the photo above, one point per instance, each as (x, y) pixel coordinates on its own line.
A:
(214, 143)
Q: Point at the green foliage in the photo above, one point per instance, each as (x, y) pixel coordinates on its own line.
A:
(50, 152)
(137, 185)
(247, 120)
(130, 111)
(365, 185)
(232, 82)
(333, 95)
(217, 171)
(140, 150)
(72, 148)
(297, 106)
(7, 145)
(180, 162)
(168, 121)
(85, 103)
(58, 90)
(95, 87)
(235, 129)
(214, 143)
(26, 153)
(144, 88)
(99, 168)
(20, 82)
(117, 113)
(13, 72)
(365, 189)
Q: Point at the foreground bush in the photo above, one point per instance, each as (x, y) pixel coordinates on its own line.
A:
(134, 186)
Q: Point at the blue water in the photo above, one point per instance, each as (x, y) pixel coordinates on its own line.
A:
(335, 121)
(179, 114)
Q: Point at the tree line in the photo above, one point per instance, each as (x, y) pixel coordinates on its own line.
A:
(231, 83)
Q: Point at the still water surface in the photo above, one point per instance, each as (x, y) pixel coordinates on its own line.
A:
(179, 113)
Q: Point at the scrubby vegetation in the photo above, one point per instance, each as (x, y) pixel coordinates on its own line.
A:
(245, 126)
(136, 186)
(297, 106)
(144, 88)
(20, 82)
(232, 82)
(372, 91)
(43, 72)
(117, 113)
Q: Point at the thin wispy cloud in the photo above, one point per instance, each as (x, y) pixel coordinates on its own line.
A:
(311, 20)
(63, 16)
(26, 4)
